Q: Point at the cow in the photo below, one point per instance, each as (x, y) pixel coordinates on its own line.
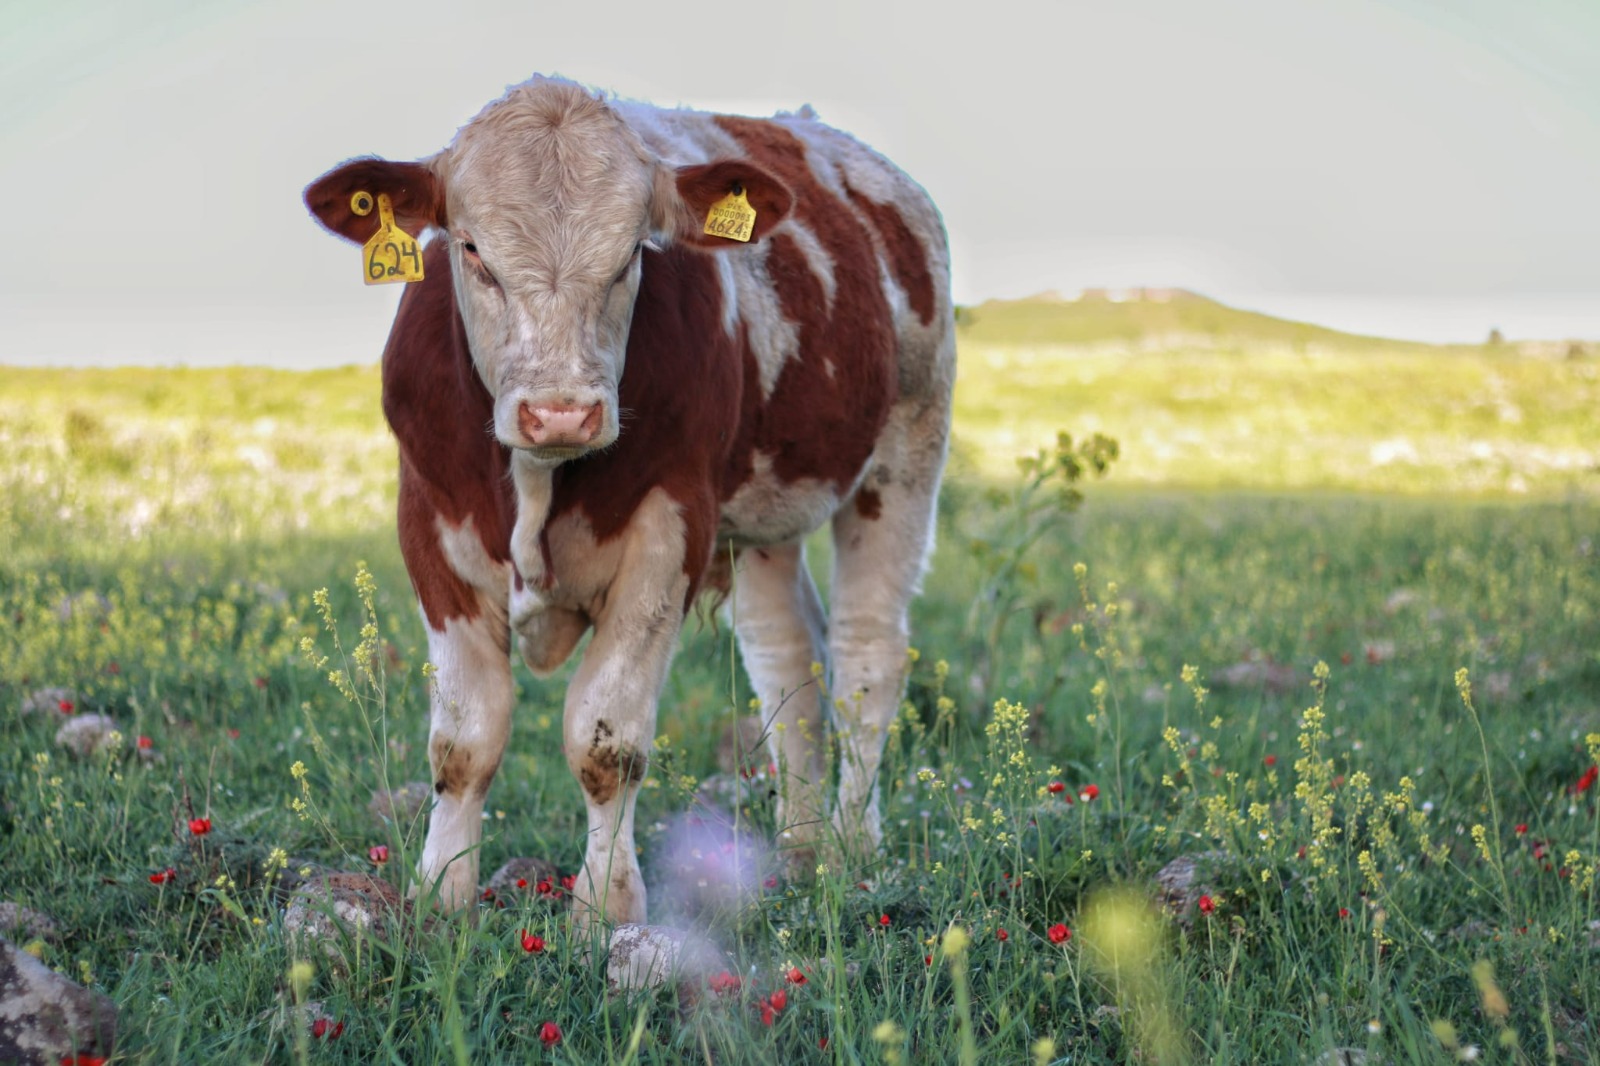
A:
(603, 410)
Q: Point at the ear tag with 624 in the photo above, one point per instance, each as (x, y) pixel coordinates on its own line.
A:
(392, 254)
(731, 217)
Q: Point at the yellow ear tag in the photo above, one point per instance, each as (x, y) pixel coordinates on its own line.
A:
(392, 254)
(731, 217)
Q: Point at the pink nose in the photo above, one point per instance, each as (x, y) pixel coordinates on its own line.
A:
(559, 425)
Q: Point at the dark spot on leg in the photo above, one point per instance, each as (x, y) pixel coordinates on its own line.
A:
(603, 731)
(605, 768)
(599, 780)
(454, 770)
(869, 504)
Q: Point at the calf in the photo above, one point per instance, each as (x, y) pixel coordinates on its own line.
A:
(603, 410)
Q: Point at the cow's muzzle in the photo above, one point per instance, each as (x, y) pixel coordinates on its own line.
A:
(559, 426)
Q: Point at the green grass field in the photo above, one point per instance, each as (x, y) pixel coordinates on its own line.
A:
(1249, 640)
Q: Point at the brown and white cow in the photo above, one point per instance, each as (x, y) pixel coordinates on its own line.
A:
(598, 406)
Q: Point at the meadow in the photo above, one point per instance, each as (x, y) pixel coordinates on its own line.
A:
(1272, 741)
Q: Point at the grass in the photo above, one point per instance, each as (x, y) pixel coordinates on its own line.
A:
(162, 534)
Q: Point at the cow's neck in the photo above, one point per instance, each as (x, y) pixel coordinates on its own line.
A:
(534, 483)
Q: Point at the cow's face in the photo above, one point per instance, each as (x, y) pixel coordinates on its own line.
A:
(547, 200)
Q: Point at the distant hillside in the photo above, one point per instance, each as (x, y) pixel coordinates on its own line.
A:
(1156, 318)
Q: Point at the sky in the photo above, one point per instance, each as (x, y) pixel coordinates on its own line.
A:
(1418, 168)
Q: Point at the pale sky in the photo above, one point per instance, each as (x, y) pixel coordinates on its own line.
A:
(1421, 168)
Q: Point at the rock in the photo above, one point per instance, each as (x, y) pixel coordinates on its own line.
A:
(337, 912)
(1182, 885)
(86, 734)
(49, 700)
(401, 806)
(646, 956)
(1400, 599)
(1257, 671)
(743, 746)
(529, 872)
(45, 1018)
(25, 923)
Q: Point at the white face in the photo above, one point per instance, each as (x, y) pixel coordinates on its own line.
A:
(548, 208)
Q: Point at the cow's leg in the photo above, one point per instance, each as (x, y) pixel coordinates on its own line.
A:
(882, 538)
(610, 716)
(471, 703)
(781, 628)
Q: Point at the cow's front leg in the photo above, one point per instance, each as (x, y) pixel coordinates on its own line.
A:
(611, 704)
(471, 698)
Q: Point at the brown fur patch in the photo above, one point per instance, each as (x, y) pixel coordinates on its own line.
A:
(452, 767)
(450, 464)
(869, 504)
(907, 257)
(606, 765)
(829, 405)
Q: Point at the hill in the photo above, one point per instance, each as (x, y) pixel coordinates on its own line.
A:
(1154, 319)
(1204, 395)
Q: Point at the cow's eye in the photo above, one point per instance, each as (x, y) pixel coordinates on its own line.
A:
(469, 252)
(632, 259)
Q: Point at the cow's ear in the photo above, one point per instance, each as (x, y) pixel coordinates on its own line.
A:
(415, 192)
(696, 188)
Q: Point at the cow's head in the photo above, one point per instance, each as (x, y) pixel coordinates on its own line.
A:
(547, 199)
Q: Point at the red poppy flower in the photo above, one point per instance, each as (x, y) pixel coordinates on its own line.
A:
(1059, 933)
(161, 877)
(927, 960)
(767, 1014)
(1271, 760)
(883, 920)
(199, 826)
(83, 1060)
(66, 706)
(822, 1043)
(378, 853)
(795, 976)
(724, 983)
(144, 743)
(543, 887)
(1344, 912)
(550, 1034)
(487, 896)
(779, 999)
(1587, 779)
(1089, 792)
(532, 943)
(1002, 935)
(322, 1029)
(522, 882)
(1208, 906)
(569, 882)
(770, 882)
(1522, 829)
(1056, 787)
(113, 668)
(261, 682)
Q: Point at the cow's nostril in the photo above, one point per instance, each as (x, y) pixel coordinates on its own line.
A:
(559, 424)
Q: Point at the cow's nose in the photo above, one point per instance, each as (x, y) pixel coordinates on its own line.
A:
(558, 425)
